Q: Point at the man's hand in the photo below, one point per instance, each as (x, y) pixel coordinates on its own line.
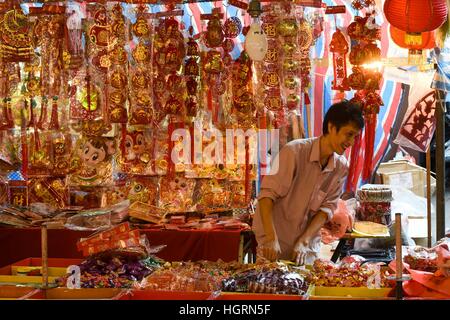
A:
(300, 250)
(271, 250)
(302, 246)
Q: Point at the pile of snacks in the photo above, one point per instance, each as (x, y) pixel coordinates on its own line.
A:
(349, 272)
(202, 276)
(421, 259)
(277, 279)
(115, 269)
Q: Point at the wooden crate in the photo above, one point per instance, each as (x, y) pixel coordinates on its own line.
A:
(405, 174)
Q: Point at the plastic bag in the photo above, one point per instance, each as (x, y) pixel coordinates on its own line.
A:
(443, 259)
(341, 222)
(119, 212)
(408, 203)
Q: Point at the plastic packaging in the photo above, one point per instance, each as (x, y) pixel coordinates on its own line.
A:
(90, 220)
(375, 203)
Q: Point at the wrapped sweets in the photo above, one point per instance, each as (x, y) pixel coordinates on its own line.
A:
(277, 280)
(202, 276)
(115, 269)
(350, 272)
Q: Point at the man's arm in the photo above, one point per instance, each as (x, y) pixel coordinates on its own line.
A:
(271, 247)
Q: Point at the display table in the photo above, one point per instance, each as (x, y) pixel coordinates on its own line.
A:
(182, 245)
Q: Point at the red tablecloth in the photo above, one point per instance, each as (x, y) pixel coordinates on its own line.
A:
(17, 244)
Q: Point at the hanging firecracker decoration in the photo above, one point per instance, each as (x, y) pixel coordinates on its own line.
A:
(216, 61)
(192, 73)
(243, 104)
(270, 77)
(117, 77)
(141, 112)
(339, 48)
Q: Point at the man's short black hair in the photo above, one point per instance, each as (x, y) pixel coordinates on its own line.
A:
(343, 113)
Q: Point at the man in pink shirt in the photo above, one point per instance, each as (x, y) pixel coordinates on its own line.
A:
(305, 182)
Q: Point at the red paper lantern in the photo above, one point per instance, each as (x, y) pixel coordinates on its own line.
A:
(416, 16)
(399, 37)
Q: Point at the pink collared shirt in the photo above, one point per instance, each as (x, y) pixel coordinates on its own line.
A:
(300, 189)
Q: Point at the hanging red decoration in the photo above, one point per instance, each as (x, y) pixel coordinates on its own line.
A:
(370, 103)
(339, 48)
(415, 16)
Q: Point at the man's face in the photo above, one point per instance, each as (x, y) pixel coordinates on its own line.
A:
(343, 138)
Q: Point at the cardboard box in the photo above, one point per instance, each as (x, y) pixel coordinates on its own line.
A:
(405, 174)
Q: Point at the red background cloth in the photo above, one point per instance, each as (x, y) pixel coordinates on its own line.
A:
(17, 244)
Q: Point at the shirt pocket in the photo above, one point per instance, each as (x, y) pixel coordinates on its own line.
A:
(317, 200)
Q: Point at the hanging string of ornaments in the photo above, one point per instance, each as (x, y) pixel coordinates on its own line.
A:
(365, 78)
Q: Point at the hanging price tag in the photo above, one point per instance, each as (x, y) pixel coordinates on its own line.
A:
(209, 16)
(238, 4)
(142, 1)
(174, 13)
(47, 9)
(310, 3)
(335, 9)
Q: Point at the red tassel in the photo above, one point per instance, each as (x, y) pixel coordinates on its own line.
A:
(170, 164)
(351, 185)
(152, 152)
(191, 132)
(9, 116)
(32, 121)
(54, 123)
(24, 143)
(43, 116)
(216, 112)
(210, 101)
(371, 121)
(247, 171)
(307, 100)
(88, 91)
(124, 136)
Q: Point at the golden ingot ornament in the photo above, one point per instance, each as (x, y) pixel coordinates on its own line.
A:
(291, 82)
(290, 65)
(287, 28)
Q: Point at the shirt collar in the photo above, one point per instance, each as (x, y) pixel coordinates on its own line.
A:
(315, 155)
